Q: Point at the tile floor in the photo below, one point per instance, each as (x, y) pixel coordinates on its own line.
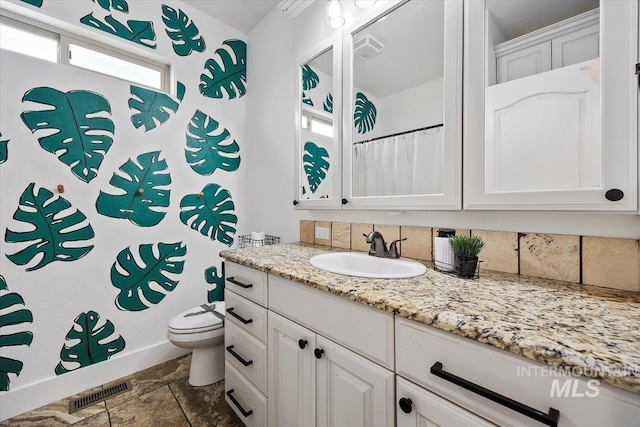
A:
(161, 397)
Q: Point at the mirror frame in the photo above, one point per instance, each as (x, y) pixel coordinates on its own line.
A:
(335, 202)
(451, 198)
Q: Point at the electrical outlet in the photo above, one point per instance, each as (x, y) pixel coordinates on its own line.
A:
(322, 233)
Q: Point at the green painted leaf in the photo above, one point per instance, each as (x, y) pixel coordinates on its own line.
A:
(147, 282)
(4, 149)
(184, 33)
(212, 277)
(327, 105)
(207, 150)
(211, 213)
(119, 5)
(12, 315)
(154, 107)
(364, 117)
(315, 161)
(58, 229)
(309, 78)
(306, 100)
(228, 76)
(87, 343)
(36, 3)
(140, 32)
(83, 131)
(146, 194)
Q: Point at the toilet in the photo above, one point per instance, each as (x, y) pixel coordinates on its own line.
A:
(202, 331)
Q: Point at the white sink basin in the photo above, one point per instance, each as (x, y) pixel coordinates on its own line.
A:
(364, 265)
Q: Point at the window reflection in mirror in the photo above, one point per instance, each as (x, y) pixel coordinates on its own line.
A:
(398, 85)
(317, 133)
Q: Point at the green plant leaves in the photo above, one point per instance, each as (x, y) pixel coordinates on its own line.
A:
(315, 161)
(228, 76)
(83, 132)
(306, 100)
(153, 107)
(146, 193)
(146, 283)
(210, 213)
(4, 149)
(184, 33)
(140, 32)
(88, 343)
(211, 276)
(207, 151)
(56, 234)
(119, 5)
(364, 116)
(327, 105)
(36, 3)
(12, 315)
(309, 78)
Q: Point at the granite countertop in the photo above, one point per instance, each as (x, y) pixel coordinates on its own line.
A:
(593, 329)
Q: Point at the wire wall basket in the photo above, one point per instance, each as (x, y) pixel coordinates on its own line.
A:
(246, 241)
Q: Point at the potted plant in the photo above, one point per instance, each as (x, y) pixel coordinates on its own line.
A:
(466, 250)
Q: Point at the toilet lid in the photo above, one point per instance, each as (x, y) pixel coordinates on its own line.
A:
(198, 318)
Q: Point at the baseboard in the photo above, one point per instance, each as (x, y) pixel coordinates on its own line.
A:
(35, 395)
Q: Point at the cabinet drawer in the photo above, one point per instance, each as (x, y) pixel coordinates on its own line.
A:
(580, 401)
(242, 396)
(247, 355)
(247, 315)
(360, 328)
(249, 283)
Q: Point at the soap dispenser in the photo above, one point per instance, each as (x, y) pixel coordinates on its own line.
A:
(443, 252)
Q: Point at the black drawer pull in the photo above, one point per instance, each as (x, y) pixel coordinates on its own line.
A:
(237, 356)
(237, 316)
(242, 285)
(318, 352)
(550, 419)
(406, 405)
(302, 343)
(238, 405)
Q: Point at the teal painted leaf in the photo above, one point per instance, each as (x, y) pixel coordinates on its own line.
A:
(154, 107)
(119, 5)
(57, 230)
(82, 130)
(309, 78)
(211, 213)
(184, 32)
(12, 315)
(146, 282)
(306, 99)
(230, 75)
(140, 32)
(145, 193)
(88, 344)
(36, 3)
(315, 161)
(208, 150)
(212, 277)
(4, 149)
(327, 105)
(364, 117)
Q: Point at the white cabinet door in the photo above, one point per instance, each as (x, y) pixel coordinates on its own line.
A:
(352, 391)
(291, 373)
(575, 47)
(418, 407)
(525, 62)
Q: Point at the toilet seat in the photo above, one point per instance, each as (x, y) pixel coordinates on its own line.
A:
(197, 319)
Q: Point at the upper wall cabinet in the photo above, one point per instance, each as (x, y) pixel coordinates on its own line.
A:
(318, 113)
(402, 110)
(551, 105)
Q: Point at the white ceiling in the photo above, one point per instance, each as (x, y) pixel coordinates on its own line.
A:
(243, 15)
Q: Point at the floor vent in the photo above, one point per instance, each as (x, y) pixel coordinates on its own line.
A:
(99, 396)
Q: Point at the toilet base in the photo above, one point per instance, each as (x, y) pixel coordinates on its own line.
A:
(207, 365)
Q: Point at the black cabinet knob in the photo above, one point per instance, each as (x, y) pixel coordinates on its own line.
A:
(318, 352)
(345, 201)
(302, 343)
(406, 405)
(295, 203)
(614, 195)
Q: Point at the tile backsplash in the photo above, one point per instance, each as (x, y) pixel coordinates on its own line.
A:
(599, 261)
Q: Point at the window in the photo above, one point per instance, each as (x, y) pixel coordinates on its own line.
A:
(29, 41)
(313, 122)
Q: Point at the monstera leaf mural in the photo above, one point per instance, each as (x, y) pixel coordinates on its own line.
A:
(309, 78)
(36, 3)
(327, 105)
(184, 33)
(212, 277)
(140, 32)
(145, 185)
(306, 100)
(211, 213)
(364, 117)
(12, 314)
(57, 229)
(229, 75)
(154, 107)
(82, 131)
(4, 149)
(119, 5)
(88, 343)
(140, 283)
(315, 161)
(208, 150)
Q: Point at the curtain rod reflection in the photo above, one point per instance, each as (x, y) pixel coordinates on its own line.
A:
(399, 133)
